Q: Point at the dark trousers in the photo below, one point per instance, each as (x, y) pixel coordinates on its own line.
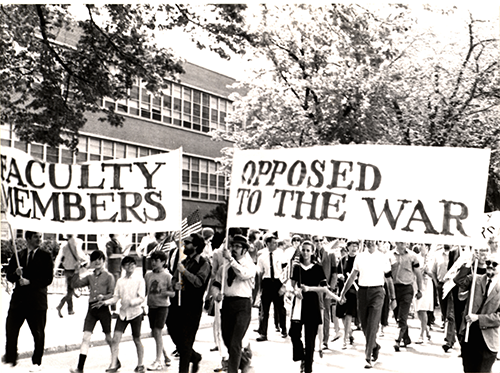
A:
(404, 297)
(182, 324)
(384, 318)
(270, 293)
(299, 352)
(70, 292)
(236, 314)
(476, 356)
(36, 321)
(370, 301)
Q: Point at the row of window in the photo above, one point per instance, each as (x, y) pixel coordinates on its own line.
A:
(199, 176)
(178, 105)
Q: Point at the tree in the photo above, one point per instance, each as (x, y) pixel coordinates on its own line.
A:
(47, 86)
(348, 74)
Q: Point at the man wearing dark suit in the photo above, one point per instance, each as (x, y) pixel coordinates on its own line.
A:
(480, 351)
(29, 299)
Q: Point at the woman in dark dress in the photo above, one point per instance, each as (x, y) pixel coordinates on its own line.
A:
(308, 281)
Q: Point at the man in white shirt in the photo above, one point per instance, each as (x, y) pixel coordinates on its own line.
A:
(373, 268)
(237, 282)
(270, 267)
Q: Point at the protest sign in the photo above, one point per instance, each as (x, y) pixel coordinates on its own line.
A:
(115, 196)
(379, 192)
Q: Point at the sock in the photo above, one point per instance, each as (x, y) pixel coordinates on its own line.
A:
(81, 361)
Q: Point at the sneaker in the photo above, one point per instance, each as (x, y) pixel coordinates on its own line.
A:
(155, 366)
(35, 368)
(139, 369)
(368, 364)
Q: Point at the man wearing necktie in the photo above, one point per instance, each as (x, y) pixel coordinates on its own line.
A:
(480, 350)
(269, 266)
(29, 299)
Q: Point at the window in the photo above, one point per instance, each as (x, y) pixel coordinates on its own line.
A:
(176, 104)
(200, 180)
(52, 154)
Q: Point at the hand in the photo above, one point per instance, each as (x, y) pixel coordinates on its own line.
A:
(418, 295)
(341, 277)
(177, 286)
(393, 304)
(19, 271)
(125, 303)
(98, 304)
(181, 268)
(24, 281)
(218, 297)
(342, 299)
(304, 288)
(470, 318)
(298, 293)
(226, 253)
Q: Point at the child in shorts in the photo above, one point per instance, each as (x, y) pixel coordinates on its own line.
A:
(158, 290)
(102, 285)
(130, 290)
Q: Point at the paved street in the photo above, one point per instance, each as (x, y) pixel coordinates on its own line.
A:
(271, 356)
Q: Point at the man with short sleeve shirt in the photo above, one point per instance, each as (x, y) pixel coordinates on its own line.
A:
(405, 268)
(270, 267)
(373, 268)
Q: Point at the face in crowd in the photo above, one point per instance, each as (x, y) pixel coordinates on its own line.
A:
(318, 241)
(352, 249)
(306, 252)
(492, 265)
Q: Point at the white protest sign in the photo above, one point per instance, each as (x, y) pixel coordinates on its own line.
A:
(378, 192)
(115, 196)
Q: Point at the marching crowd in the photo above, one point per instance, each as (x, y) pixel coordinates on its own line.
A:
(311, 281)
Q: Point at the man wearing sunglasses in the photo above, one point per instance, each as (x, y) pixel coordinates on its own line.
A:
(183, 320)
(480, 350)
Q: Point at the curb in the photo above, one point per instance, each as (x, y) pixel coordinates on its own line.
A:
(101, 342)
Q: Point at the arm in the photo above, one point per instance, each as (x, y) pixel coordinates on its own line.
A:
(333, 274)
(197, 279)
(349, 282)
(390, 287)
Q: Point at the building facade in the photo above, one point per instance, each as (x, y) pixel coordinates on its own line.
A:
(183, 116)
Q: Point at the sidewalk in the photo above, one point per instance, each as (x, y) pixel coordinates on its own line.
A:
(65, 334)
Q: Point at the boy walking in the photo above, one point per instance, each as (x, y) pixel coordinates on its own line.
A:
(102, 285)
(158, 290)
(130, 291)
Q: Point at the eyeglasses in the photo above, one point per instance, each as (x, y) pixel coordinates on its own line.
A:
(295, 240)
(490, 263)
(318, 240)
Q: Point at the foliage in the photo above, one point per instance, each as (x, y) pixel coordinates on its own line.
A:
(348, 74)
(219, 213)
(47, 86)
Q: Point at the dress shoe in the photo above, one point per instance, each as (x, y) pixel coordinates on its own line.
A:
(261, 338)
(396, 347)
(214, 349)
(115, 369)
(446, 347)
(284, 335)
(76, 370)
(375, 352)
(196, 364)
(71, 312)
(59, 308)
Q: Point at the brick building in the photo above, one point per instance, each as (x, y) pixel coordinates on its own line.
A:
(183, 116)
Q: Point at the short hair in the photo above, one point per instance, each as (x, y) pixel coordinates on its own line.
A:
(155, 255)
(96, 255)
(159, 234)
(198, 242)
(207, 232)
(270, 237)
(252, 235)
(29, 234)
(128, 259)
